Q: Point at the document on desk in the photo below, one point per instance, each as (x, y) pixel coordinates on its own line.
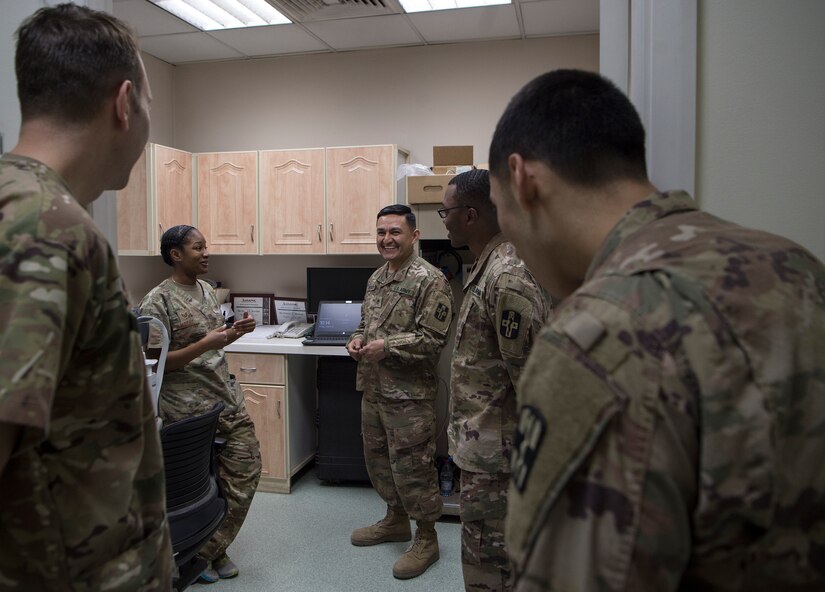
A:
(260, 332)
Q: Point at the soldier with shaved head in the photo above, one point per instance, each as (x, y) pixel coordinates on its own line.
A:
(670, 429)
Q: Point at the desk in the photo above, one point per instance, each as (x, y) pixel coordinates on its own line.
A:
(278, 380)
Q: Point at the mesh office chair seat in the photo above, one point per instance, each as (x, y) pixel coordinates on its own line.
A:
(195, 502)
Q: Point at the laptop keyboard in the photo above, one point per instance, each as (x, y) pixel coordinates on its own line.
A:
(328, 340)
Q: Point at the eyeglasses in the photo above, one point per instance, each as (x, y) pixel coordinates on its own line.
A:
(443, 211)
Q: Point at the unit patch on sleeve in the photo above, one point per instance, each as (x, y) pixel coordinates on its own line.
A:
(514, 314)
(439, 314)
(510, 324)
(529, 434)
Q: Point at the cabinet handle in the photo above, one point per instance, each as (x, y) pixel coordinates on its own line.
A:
(319, 234)
(252, 232)
(161, 228)
(248, 369)
(278, 410)
(331, 239)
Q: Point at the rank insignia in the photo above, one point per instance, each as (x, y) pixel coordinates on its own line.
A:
(510, 324)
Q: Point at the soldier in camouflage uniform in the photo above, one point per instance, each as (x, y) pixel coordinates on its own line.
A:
(405, 319)
(197, 376)
(82, 502)
(502, 313)
(670, 425)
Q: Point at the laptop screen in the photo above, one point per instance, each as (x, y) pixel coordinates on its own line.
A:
(337, 318)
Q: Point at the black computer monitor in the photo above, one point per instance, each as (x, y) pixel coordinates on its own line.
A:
(336, 283)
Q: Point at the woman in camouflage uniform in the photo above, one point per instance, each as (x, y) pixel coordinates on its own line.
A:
(197, 377)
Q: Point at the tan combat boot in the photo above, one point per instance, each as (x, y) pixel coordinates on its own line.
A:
(420, 555)
(393, 528)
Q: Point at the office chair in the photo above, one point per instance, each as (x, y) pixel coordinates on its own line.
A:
(195, 502)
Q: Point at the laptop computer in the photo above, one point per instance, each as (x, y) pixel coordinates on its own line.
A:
(336, 321)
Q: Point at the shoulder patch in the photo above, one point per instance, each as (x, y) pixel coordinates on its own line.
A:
(526, 441)
(439, 314)
(576, 405)
(514, 315)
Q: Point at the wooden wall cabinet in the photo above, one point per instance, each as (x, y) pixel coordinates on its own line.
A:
(280, 397)
(313, 201)
(292, 184)
(228, 201)
(157, 197)
(360, 181)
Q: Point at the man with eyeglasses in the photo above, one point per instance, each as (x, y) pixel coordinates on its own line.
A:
(502, 312)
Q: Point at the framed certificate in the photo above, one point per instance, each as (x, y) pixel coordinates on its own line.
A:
(290, 309)
(259, 307)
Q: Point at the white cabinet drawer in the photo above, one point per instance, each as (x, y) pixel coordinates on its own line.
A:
(257, 368)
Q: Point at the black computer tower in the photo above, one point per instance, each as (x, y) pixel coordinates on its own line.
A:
(340, 447)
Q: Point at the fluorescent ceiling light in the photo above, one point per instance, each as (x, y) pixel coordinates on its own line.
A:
(209, 15)
(424, 5)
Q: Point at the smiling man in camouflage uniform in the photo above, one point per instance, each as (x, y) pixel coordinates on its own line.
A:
(405, 319)
(82, 502)
(502, 313)
(670, 427)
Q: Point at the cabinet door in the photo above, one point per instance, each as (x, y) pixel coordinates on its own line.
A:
(227, 201)
(360, 181)
(292, 201)
(133, 212)
(265, 405)
(173, 188)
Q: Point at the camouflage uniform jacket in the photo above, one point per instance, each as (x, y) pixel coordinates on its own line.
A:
(195, 388)
(502, 312)
(411, 310)
(82, 500)
(671, 420)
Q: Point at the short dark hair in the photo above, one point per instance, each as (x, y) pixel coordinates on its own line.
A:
(399, 210)
(472, 188)
(69, 58)
(174, 238)
(578, 123)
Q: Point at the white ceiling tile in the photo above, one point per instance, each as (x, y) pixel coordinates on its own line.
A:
(147, 19)
(373, 31)
(559, 17)
(467, 23)
(277, 39)
(187, 47)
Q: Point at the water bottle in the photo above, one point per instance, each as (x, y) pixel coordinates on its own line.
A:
(445, 476)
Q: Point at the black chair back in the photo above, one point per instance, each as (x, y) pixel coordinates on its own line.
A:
(195, 502)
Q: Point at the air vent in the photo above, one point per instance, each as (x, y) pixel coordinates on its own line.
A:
(321, 10)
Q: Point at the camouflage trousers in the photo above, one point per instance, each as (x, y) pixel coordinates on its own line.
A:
(399, 449)
(239, 469)
(483, 507)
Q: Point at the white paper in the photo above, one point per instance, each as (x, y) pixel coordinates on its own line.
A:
(290, 310)
(226, 311)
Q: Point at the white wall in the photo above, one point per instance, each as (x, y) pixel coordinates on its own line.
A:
(14, 12)
(414, 97)
(162, 82)
(761, 116)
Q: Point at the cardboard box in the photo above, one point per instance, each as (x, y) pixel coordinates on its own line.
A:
(427, 189)
(452, 155)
